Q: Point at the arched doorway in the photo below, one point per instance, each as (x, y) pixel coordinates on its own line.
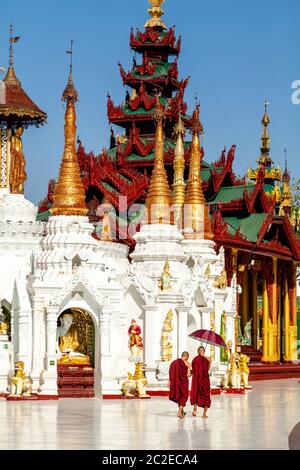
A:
(76, 354)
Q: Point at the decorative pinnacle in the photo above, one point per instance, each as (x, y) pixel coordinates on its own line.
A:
(179, 128)
(69, 194)
(70, 92)
(10, 76)
(156, 12)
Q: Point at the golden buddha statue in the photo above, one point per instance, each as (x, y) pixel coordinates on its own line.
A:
(69, 344)
(164, 282)
(17, 166)
(166, 341)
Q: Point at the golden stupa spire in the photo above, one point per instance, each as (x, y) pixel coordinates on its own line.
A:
(196, 216)
(159, 199)
(10, 78)
(179, 184)
(156, 12)
(286, 204)
(265, 158)
(69, 195)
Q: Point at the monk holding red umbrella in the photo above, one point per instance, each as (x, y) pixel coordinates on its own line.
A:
(200, 393)
(179, 382)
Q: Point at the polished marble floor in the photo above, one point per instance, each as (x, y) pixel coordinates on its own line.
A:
(262, 419)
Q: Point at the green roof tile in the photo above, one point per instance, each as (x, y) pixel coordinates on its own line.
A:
(249, 226)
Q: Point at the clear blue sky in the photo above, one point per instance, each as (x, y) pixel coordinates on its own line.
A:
(237, 52)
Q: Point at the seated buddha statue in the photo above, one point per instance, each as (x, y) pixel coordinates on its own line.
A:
(68, 343)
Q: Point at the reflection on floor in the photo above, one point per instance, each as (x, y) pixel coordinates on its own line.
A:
(261, 419)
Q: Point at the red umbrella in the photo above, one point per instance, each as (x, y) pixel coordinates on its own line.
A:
(209, 337)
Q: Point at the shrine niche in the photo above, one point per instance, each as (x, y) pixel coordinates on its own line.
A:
(76, 338)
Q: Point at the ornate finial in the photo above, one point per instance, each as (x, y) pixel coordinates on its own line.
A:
(70, 92)
(156, 12)
(179, 163)
(196, 215)
(69, 194)
(159, 200)
(10, 76)
(265, 160)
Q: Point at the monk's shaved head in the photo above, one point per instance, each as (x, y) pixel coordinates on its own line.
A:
(185, 355)
(201, 350)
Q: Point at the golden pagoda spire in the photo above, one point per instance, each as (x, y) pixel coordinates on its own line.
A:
(156, 12)
(69, 195)
(159, 199)
(179, 184)
(265, 158)
(10, 78)
(196, 216)
(286, 204)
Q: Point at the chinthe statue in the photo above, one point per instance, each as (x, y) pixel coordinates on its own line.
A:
(68, 343)
(135, 385)
(221, 281)
(21, 385)
(166, 342)
(17, 166)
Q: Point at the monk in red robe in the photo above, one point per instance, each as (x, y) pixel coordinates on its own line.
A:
(200, 393)
(179, 382)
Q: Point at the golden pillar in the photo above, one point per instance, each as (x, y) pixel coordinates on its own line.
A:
(287, 322)
(254, 311)
(273, 326)
(293, 331)
(245, 314)
(265, 352)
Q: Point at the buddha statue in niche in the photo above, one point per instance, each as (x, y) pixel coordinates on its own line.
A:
(68, 342)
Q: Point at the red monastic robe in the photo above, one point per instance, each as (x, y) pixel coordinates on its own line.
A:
(179, 382)
(200, 393)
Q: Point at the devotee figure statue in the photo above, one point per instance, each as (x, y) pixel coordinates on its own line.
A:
(165, 282)
(136, 345)
(166, 340)
(69, 344)
(106, 231)
(17, 166)
(224, 351)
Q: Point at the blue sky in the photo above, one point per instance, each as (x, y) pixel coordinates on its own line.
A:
(237, 53)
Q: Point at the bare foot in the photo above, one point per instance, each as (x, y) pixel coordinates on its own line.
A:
(194, 413)
(204, 416)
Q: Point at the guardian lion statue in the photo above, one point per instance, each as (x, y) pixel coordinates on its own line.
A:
(20, 384)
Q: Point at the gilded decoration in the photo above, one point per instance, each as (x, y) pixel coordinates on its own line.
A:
(166, 339)
(159, 199)
(76, 338)
(17, 175)
(156, 12)
(179, 164)
(69, 194)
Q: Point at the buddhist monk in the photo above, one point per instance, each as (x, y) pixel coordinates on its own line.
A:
(200, 393)
(179, 382)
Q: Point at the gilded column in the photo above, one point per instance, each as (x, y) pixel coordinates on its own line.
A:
(245, 298)
(287, 322)
(254, 311)
(293, 333)
(266, 319)
(273, 327)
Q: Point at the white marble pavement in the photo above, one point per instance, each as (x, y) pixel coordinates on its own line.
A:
(262, 419)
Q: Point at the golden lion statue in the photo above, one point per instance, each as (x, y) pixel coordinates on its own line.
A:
(244, 370)
(20, 384)
(237, 374)
(136, 384)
